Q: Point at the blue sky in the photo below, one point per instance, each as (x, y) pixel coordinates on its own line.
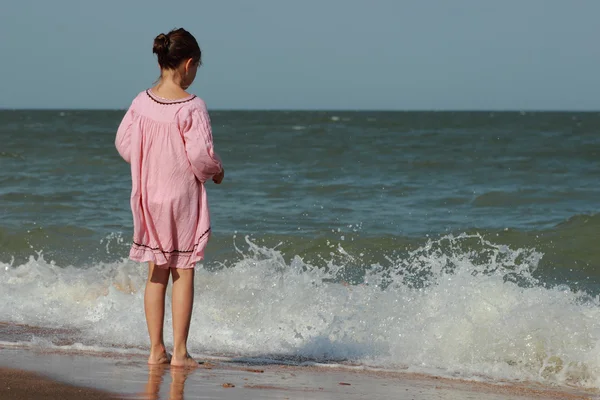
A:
(310, 54)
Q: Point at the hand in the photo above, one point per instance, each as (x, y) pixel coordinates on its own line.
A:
(218, 178)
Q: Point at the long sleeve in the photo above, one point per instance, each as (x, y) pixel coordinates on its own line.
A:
(123, 139)
(197, 134)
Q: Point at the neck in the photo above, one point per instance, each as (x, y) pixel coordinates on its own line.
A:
(169, 87)
(170, 79)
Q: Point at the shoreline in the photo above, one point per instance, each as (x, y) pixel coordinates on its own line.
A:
(44, 373)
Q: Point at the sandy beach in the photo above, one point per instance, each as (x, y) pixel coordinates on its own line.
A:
(22, 385)
(43, 374)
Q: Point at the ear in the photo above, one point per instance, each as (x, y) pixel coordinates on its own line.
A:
(188, 65)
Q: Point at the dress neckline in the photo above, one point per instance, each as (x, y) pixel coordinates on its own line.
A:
(162, 100)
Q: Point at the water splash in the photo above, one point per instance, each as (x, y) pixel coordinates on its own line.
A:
(460, 305)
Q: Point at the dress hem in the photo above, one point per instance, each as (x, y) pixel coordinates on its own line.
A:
(180, 259)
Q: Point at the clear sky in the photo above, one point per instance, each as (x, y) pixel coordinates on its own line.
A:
(309, 54)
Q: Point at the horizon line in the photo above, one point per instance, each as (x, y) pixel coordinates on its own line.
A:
(416, 110)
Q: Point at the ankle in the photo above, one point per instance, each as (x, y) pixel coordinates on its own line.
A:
(158, 348)
(180, 352)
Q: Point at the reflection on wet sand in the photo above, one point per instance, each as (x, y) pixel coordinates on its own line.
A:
(156, 374)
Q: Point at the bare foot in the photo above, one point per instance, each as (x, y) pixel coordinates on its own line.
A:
(184, 362)
(157, 358)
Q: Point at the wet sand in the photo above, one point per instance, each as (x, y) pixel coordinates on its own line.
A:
(90, 376)
(23, 385)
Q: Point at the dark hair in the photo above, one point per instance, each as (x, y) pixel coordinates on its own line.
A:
(175, 47)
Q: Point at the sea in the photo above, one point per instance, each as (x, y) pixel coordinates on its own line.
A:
(457, 244)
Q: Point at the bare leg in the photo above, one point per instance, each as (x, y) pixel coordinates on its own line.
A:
(183, 303)
(154, 304)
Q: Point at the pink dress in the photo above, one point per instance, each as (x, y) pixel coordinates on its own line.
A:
(169, 145)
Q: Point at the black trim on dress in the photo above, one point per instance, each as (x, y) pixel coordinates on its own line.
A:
(171, 102)
(172, 251)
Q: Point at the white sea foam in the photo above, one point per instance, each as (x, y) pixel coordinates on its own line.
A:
(460, 312)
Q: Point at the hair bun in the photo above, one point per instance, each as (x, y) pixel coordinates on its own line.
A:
(176, 47)
(161, 44)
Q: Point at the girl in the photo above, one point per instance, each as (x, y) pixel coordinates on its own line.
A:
(166, 137)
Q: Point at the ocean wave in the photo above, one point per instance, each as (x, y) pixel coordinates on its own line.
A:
(4, 154)
(442, 308)
(571, 255)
